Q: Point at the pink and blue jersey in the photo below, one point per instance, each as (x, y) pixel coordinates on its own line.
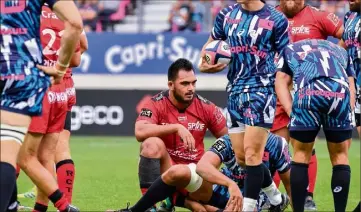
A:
(22, 84)
(352, 38)
(310, 60)
(255, 37)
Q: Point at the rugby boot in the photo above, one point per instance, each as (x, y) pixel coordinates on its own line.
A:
(282, 206)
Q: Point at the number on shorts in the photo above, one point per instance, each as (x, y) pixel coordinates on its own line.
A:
(47, 50)
(12, 6)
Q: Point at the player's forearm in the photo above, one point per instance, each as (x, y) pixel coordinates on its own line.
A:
(68, 44)
(285, 97)
(144, 131)
(352, 92)
(211, 174)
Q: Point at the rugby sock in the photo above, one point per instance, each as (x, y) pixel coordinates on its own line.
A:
(59, 200)
(17, 171)
(65, 171)
(13, 204)
(252, 186)
(299, 182)
(312, 173)
(357, 209)
(40, 207)
(7, 184)
(152, 196)
(340, 185)
(148, 172)
(277, 179)
(270, 188)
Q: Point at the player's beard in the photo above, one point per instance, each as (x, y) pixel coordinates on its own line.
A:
(291, 8)
(180, 99)
(355, 6)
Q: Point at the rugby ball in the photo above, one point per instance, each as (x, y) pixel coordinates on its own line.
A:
(218, 51)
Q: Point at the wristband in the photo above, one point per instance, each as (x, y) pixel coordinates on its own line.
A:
(62, 65)
(60, 73)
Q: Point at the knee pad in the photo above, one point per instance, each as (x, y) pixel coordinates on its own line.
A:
(196, 180)
(10, 133)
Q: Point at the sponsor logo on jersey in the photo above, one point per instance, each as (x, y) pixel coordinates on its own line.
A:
(249, 49)
(198, 126)
(57, 97)
(232, 20)
(300, 30)
(146, 113)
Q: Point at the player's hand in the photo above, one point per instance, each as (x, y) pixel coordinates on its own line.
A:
(52, 71)
(235, 201)
(186, 137)
(207, 68)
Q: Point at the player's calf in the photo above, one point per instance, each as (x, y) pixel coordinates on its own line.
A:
(341, 171)
(154, 160)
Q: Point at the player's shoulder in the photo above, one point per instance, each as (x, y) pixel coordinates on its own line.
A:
(160, 97)
(222, 144)
(276, 14)
(202, 101)
(228, 9)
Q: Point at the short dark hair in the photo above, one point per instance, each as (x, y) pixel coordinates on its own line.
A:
(176, 66)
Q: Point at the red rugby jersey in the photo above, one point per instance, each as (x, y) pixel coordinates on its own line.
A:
(51, 30)
(313, 23)
(199, 116)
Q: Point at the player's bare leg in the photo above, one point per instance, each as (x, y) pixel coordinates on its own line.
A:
(258, 176)
(13, 128)
(41, 177)
(237, 143)
(65, 169)
(283, 132)
(154, 160)
(176, 177)
(46, 157)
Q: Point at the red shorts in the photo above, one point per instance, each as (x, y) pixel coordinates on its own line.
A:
(55, 106)
(281, 118)
(70, 91)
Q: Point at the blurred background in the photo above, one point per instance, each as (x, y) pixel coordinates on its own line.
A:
(131, 45)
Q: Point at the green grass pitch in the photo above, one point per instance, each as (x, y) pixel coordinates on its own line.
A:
(106, 174)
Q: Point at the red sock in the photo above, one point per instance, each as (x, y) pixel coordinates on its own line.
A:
(17, 171)
(59, 200)
(277, 179)
(144, 190)
(312, 173)
(40, 207)
(65, 172)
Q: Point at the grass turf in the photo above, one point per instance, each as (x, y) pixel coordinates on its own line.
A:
(106, 174)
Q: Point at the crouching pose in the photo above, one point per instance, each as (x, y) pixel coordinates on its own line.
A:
(203, 187)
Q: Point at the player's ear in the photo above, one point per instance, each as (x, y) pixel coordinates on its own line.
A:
(170, 85)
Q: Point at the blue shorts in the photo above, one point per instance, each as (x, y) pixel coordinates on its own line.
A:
(221, 196)
(252, 109)
(323, 102)
(24, 96)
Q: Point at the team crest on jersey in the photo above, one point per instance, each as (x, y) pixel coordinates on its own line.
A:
(266, 24)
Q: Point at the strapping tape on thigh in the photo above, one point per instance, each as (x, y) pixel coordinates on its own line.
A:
(11, 133)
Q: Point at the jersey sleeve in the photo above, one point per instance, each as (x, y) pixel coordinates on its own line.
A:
(283, 164)
(51, 3)
(215, 119)
(329, 22)
(283, 66)
(149, 112)
(222, 148)
(218, 32)
(281, 30)
(350, 68)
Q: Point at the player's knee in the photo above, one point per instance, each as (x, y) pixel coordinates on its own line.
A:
(301, 156)
(152, 148)
(339, 159)
(252, 156)
(241, 160)
(177, 174)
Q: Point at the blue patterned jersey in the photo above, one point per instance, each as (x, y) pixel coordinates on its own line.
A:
(276, 157)
(352, 38)
(309, 60)
(254, 39)
(19, 38)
